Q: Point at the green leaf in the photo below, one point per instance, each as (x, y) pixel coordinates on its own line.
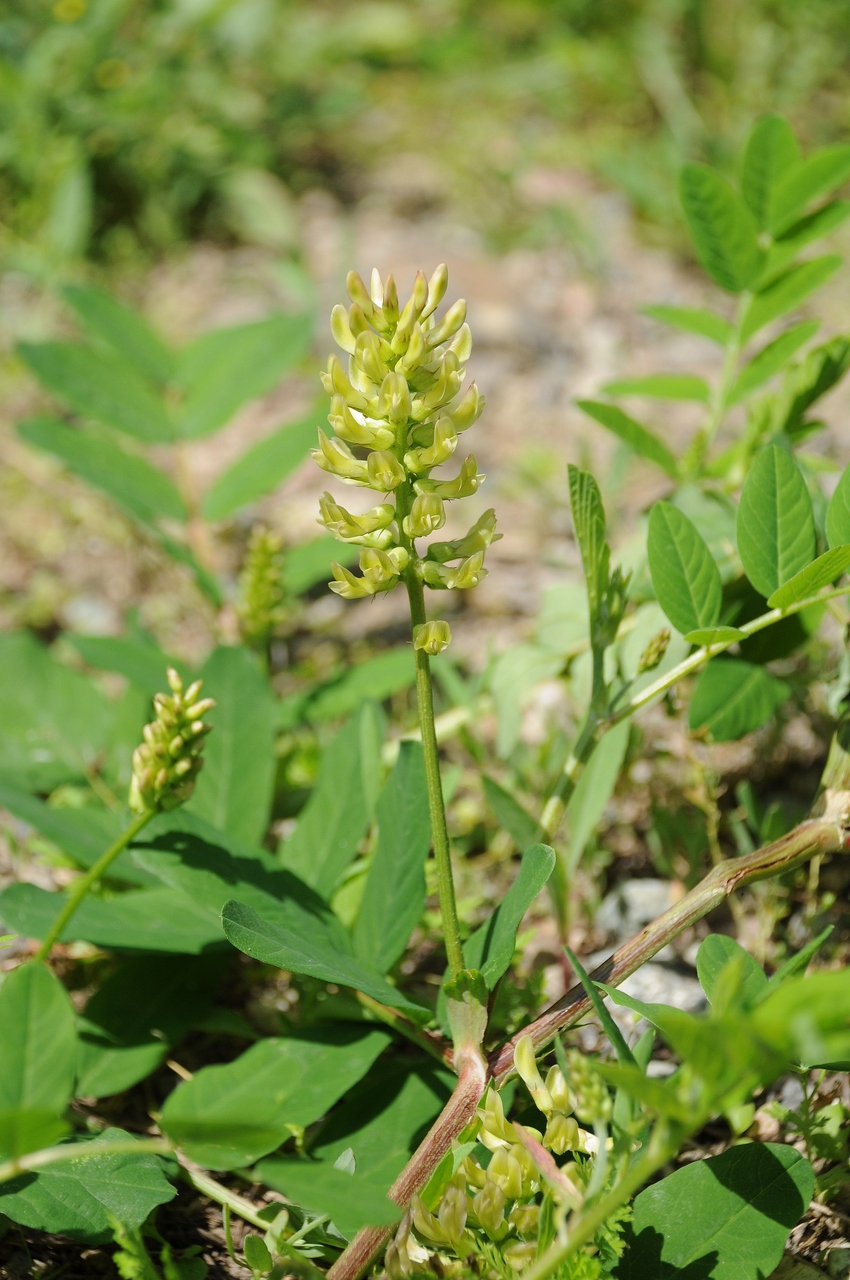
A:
(727, 1217)
(664, 386)
(821, 369)
(609, 1026)
(25, 1131)
(819, 173)
(732, 698)
(771, 359)
(632, 433)
(311, 952)
(80, 1198)
(594, 789)
(714, 635)
(589, 526)
(787, 291)
(376, 679)
(139, 489)
(820, 573)
(82, 834)
(394, 894)
(798, 963)
(813, 227)
(99, 385)
(144, 920)
(776, 528)
(838, 512)
(684, 574)
(123, 329)
(39, 1042)
(714, 955)
(694, 320)
(381, 1124)
(261, 469)
(490, 950)
(234, 790)
(309, 563)
(136, 657)
(806, 1020)
(721, 226)
(225, 368)
(334, 820)
(513, 676)
(771, 151)
(140, 1011)
(229, 1116)
(55, 722)
(509, 814)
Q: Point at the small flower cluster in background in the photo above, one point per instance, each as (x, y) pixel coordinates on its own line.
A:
(167, 763)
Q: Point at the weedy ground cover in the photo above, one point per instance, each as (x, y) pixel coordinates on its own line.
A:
(422, 1112)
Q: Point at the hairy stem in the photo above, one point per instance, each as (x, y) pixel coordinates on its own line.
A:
(80, 887)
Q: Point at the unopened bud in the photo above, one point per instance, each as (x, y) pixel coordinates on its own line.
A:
(489, 1206)
(520, 1254)
(593, 1101)
(432, 637)
(654, 651)
(562, 1134)
(341, 329)
(559, 1090)
(394, 400)
(505, 1170)
(449, 325)
(452, 1212)
(167, 762)
(525, 1218)
(437, 286)
(359, 294)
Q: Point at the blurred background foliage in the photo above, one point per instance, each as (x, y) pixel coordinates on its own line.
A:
(130, 126)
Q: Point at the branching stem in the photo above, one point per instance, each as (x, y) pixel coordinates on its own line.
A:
(80, 887)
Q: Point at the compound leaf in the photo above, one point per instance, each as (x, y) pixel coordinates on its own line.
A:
(733, 697)
(775, 527)
(814, 226)
(771, 151)
(771, 359)
(820, 573)
(838, 512)
(228, 1116)
(722, 228)
(394, 894)
(819, 173)
(821, 369)
(100, 385)
(632, 433)
(139, 489)
(225, 368)
(694, 320)
(787, 291)
(261, 469)
(664, 386)
(684, 574)
(123, 329)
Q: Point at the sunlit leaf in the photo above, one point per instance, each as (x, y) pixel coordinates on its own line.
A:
(787, 291)
(771, 151)
(632, 433)
(732, 698)
(722, 227)
(684, 574)
(694, 320)
(771, 359)
(819, 173)
(664, 386)
(776, 530)
(820, 573)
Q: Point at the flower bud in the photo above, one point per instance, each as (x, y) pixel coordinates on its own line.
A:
(341, 384)
(415, 353)
(505, 1170)
(442, 448)
(174, 738)
(479, 537)
(525, 1218)
(437, 286)
(654, 651)
(341, 329)
(370, 530)
(389, 305)
(465, 484)
(449, 325)
(562, 1134)
(520, 1254)
(489, 1206)
(473, 1173)
(425, 1222)
(384, 470)
(394, 400)
(525, 1064)
(426, 516)
(467, 574)
(469, 410)
(444, 389)
(461, 343)
(368, 355)
(359, 294)
(452, 1212)
(433, 637)
(369, 434)
(336, 457)
(260, 599)
(559, 1090)
(593, 1101)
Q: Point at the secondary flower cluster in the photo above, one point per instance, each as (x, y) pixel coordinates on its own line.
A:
(261, 600)
(491, 1205)
(169, 760)
(397, 414)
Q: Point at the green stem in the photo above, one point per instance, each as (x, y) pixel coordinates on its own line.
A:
(34, 1160)
(80, 887)
(436, 807)
(223, 1195)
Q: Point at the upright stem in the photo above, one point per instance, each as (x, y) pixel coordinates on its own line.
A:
(436, 807)
(80, 887)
